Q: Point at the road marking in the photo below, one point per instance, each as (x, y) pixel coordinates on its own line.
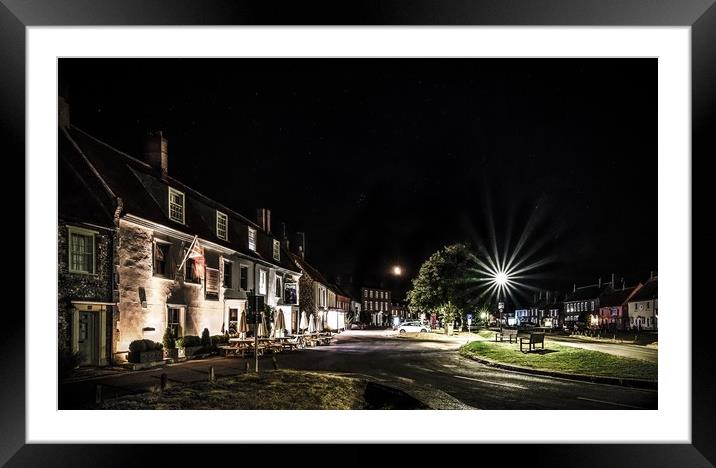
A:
(522, 387)
(449, 365)
(609, 403)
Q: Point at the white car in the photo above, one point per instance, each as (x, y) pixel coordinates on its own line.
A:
(413, 327)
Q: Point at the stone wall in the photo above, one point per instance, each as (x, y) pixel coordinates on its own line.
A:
(135, 270)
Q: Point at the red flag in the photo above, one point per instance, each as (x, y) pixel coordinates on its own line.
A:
(197, 255)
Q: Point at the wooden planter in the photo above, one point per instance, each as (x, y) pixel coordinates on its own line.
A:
(143, 357)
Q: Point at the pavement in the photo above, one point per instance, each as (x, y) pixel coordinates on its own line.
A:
(428, 368)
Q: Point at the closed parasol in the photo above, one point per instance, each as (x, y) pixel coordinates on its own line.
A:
(312, 324)
(279, 324)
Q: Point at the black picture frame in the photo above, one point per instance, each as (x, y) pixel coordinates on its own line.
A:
(700, 15)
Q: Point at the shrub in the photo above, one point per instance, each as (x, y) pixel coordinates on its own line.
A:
(66, 362)
(188, 341)
(219, 339)
(205, 338)
(168, 340)
(137, 346)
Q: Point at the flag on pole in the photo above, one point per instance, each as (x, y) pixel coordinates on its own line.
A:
(196, 253)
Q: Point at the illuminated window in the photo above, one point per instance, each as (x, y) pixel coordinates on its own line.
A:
(176, 205)
(81, 250)
(276, 250)
(174, 322)
(233, 321)
(252, 239)
(222, 223)
(262, 281)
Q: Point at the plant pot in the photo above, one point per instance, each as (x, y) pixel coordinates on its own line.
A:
(145, 356)
(450, 329)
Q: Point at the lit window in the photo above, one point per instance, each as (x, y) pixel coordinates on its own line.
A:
(252, 239)
(176, 205)
(174, 322)
(233, 321)
(212, 283)
(276, 250)
(81, 251)
(222, 223)
(262, 281)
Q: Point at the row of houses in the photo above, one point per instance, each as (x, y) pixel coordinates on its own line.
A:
(604, 305)
(140, 253)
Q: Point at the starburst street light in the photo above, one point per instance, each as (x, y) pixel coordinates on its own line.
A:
(501, 278)
(397, 271)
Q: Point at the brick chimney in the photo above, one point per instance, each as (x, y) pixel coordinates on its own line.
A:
(263, 217)
(284, 236)
(155, 152)
(301, 244)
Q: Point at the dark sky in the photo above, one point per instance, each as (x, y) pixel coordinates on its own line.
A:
(383, 161)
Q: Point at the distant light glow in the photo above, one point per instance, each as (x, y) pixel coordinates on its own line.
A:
(397, 271)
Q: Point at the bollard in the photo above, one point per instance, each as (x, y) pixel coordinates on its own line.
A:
(163, 380)
(211, 374)
(273, 361)
(98, 394)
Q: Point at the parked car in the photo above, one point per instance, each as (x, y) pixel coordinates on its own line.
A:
(413, 327)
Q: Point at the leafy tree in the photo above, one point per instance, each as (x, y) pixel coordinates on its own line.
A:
(168, 340)
(444, 283)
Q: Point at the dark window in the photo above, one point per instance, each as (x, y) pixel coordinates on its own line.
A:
(173, 318)
(228, 279)
(244, 277)
(161, 259)
(278, 287)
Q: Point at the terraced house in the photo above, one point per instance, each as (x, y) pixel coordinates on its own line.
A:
(140, 252)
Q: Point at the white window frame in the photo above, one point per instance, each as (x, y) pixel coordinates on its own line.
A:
(82, 232)
(252, 231)
(171, 192)
(276, 250)
(219, 217)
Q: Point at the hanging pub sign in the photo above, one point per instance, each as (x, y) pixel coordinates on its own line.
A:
(290, 293)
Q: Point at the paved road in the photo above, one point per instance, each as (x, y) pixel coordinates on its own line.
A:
(625, 350)
(384, 355)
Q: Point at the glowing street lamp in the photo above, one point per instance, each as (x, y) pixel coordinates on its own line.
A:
(397, 271)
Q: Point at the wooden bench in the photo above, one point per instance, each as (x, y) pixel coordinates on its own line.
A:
(506, 333)
(532, 341)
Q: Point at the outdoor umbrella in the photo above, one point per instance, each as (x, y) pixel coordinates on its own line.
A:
(243, 327)
(304, 321)
(312, 324)
(263, 327)
(279, 324)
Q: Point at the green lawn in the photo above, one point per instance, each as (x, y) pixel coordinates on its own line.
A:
(563, 359)
(270, 390)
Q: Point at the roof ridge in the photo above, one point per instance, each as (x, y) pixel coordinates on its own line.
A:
(173, 179)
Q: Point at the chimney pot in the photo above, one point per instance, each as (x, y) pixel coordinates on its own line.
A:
(155, 152)
(263, 217)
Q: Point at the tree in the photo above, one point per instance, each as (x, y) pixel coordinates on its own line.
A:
(444, 279)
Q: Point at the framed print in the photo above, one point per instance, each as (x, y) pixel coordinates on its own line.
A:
(409, 224)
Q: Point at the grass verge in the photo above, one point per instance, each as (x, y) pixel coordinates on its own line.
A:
(564, 359)
(282, 389)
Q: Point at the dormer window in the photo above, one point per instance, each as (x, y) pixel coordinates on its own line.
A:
(276, 250)
(222, 223)
(176, 205)
(252, 239)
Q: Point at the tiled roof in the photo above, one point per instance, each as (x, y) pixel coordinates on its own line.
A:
(647, 292)
(144, 194)
(616, 298)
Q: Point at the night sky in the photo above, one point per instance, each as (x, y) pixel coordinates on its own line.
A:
(384, 161)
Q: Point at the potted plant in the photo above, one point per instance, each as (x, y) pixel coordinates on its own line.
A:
(189, 345)
(170, 350)
(143, 351)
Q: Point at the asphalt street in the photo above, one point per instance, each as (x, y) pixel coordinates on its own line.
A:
(383, 355)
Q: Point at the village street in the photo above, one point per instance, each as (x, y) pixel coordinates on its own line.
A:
(433, 367)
